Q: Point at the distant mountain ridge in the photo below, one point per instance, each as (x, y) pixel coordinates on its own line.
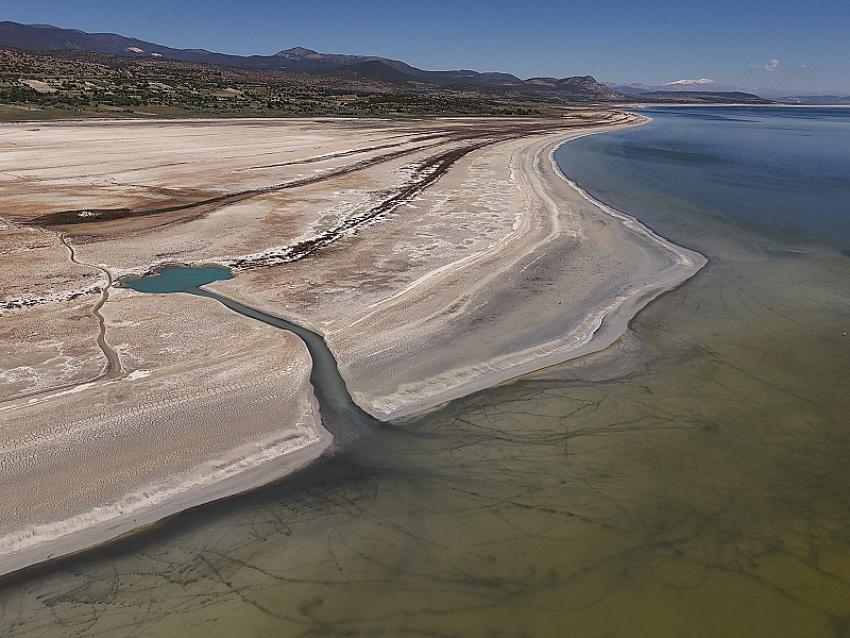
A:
(706, 85)
(46, 38)
(701, 85)
(833, 100)
(701, 97)
(374, 70)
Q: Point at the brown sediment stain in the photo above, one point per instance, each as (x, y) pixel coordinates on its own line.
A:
(186, 207)
(426, 174)
(194, 209)
(354, 151)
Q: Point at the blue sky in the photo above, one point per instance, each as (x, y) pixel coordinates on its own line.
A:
(796, 44)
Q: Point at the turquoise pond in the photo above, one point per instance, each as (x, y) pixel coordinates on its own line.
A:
(178, 279)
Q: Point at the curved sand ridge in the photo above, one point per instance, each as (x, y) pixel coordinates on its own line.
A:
(500, 267)
(604, 321)
(439, 307)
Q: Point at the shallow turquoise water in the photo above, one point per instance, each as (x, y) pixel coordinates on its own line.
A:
(178, 279)
(693, 481)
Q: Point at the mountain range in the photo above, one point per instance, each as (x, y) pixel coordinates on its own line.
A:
(372, 71)
(706, 85)
(47, 38)
(682, 86)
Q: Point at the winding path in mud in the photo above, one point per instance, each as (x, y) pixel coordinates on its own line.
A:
(113, 363)
(112, 368)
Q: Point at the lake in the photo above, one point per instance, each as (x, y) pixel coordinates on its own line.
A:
(691, 481)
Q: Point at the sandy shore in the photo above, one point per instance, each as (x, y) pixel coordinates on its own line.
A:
(186, 426)
(605, 320)
(436, 257)
(441, 306)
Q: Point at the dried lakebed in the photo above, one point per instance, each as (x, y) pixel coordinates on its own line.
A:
(417, 271)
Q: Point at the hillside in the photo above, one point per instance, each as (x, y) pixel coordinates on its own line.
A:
(50, 71)
(700, 97)
(359, 68)
(81, 84)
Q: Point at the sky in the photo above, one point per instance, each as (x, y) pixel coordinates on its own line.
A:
(781, 44)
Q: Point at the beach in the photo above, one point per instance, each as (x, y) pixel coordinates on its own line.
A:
(460, 322)
(436, 258)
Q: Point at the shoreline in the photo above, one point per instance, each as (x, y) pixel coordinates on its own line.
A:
(251, 420)
(158, 503)
(655, 105)
(596, 332)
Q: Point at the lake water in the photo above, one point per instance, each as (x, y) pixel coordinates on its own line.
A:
(777, 172)
(178, 278)
(695, 481)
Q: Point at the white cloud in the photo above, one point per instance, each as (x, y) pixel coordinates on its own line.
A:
(700, 82)
(772, 65)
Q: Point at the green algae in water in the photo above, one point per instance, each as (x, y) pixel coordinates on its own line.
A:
(692, 482)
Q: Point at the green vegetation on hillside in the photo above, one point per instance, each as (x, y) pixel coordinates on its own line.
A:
(85, 85)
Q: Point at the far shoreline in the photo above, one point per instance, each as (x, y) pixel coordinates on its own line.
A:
(655, 105)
